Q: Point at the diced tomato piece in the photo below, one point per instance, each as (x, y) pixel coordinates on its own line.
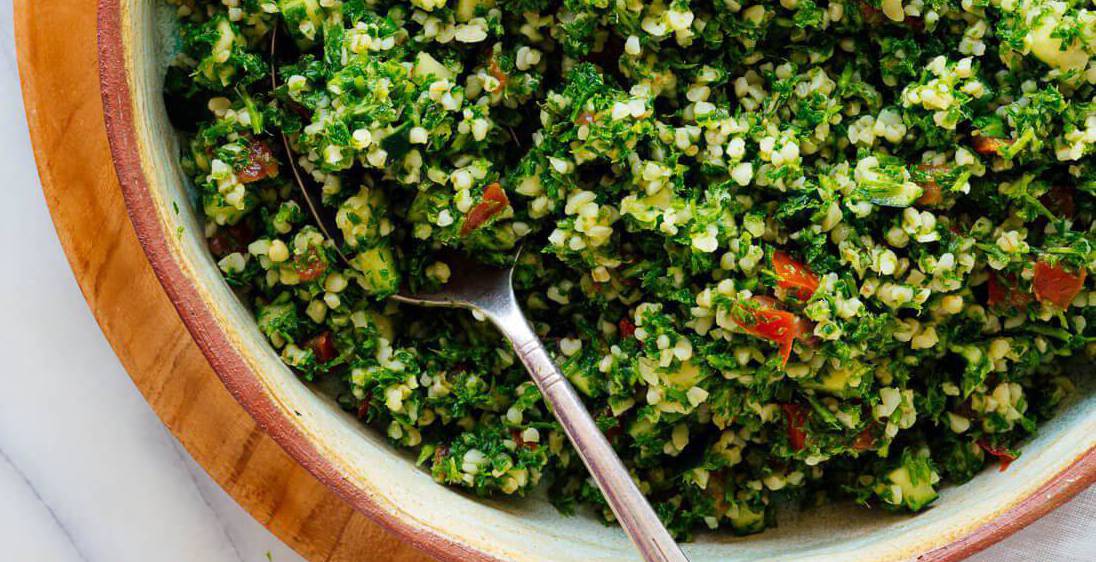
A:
(718, 492)
(515, 434)
(310, 266)
(363, 408)
(496, 72)
(1060, 200)
(931, 194)
(767, 322)
(230, 239)
(613, 433)
(794, 277)
(804, 330)
(495, 194)
(864, 440)
(221, 244)
(1003, 292)
(494, 201)
(440, 453)
(261, 164)
(1057, 286)
(313, 270)
(1003, 455)
(323, 347)
(796, 418)
(627, 328)
(870, 13)
(989, 146)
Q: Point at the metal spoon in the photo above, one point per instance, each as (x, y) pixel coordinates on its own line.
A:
(489, 291)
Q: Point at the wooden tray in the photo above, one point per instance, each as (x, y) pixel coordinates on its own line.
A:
(61, 93)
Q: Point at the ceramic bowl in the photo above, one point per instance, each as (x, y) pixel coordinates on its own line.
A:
(385, 485)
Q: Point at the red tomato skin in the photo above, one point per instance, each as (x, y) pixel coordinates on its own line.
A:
(864, 440)
(261, 164)
(931, 192)
(229, 239)
(323, 346)
(312, 271)
(493, 202)
(1003, 294)
(440, 453)
(222, 244)
(989, 146)
(794, 277)
(495, 71)
(1054, 285)
(1060, 200)
(310, 266)
(627, 328)
(767, 322)
(1002, 455)
(363, 408)
(796, 418)
(515, 434)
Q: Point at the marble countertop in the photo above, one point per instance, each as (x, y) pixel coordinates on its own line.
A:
(87, 472)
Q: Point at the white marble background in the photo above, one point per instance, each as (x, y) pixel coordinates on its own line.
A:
(87, 472)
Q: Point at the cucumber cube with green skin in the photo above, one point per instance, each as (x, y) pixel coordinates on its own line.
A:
(641, 427)
(278, 320)
(215, 69)
(583, 381)
(910, 485)
(838, 381)
(377, 265)
(914, 495)
(303, 18)
(221, 52)
(978, 366)
(359, 217)
(747, 521)
(428, 68)
(891, 193)
(222, 212)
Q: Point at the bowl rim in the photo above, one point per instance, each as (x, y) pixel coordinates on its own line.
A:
(244, 385)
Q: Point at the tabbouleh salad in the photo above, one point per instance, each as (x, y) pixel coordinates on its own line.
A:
(794, 251)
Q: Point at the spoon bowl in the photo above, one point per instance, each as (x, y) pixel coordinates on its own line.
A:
(488, 289)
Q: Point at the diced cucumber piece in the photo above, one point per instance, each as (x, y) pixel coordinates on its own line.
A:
(427, 66)
(378, 268)
(303, 18)
(914, 495)
(745, 521)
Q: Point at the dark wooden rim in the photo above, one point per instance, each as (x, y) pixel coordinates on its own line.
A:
(229, 365)
(246, 388)
(1055, 492)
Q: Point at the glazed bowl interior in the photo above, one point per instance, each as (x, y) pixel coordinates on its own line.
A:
(377, 479)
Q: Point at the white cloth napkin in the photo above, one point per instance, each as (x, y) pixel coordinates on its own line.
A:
(1066, 534)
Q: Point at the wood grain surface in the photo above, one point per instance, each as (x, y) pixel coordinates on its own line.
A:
(65, 114)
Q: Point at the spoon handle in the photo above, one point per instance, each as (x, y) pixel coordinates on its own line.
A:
(627, 502)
